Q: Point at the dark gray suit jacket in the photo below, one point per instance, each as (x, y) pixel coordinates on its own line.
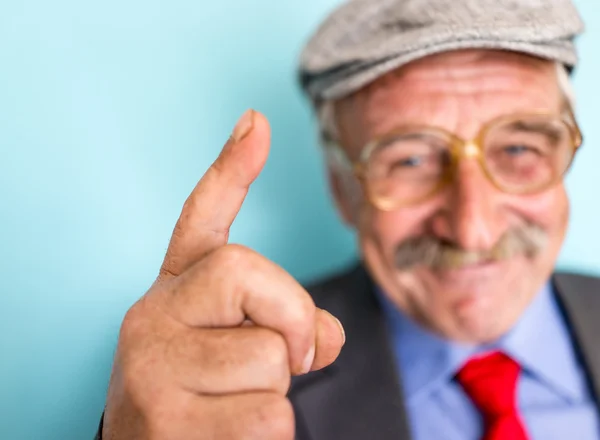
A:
(359, 396)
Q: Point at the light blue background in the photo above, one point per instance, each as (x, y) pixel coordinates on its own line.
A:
(109, 113)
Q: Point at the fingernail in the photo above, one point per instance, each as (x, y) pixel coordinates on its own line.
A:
(243, 127)
(342, 331)
(308, 360)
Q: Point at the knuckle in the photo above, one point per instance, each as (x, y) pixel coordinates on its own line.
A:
(303, 312)
(140, 322)
(273, 344)
(274, 354)
(131, 323)
(233, 257)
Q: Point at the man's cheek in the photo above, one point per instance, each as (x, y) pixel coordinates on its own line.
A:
(383, 229)
(550, 210)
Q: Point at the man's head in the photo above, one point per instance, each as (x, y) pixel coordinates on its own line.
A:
(457, 196)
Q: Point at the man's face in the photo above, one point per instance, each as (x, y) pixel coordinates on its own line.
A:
(458, 92)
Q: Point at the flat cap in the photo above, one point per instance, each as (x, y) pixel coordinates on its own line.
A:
(364, 39)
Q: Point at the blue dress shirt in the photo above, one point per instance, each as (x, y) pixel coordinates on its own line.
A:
(552, 392)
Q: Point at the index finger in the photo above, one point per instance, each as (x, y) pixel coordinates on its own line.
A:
(214, 203)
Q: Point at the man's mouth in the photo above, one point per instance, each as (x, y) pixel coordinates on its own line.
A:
(468, 275)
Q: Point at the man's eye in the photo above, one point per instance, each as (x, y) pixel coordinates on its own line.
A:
(409, 162)
(518, 150)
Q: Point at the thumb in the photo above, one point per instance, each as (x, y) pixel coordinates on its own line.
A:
(330, 337)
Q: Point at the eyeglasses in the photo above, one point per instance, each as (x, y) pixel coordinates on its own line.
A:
(519, 154)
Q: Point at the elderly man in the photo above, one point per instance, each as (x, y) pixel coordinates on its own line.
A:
(448, 126)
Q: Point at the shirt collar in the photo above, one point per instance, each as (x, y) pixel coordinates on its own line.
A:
(539, 341)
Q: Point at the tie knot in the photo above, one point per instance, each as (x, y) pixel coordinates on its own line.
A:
(490, 381)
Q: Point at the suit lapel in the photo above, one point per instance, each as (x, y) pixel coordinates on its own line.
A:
(359, 396)
(580, 300)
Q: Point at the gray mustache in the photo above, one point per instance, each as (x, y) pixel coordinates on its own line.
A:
(528, 240)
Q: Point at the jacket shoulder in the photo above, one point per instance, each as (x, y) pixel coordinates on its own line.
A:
(570, 283)
(344, 285)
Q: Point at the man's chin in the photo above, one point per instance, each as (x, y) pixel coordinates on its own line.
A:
(479, 316)
(478, 299)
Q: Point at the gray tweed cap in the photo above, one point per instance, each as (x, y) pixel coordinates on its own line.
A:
(364, 39)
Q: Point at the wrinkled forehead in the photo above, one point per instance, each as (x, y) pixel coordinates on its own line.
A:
(459, 91)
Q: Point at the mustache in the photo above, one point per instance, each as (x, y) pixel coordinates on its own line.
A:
(439, 254)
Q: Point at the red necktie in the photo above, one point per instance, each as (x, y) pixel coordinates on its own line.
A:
(491, 383)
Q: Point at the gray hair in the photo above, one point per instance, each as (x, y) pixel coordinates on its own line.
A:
(328, 123)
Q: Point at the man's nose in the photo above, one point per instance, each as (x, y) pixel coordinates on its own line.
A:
(473, 212)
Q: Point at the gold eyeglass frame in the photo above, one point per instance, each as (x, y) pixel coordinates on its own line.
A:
(459, 148)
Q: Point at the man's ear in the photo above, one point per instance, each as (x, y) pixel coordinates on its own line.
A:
(344, 195)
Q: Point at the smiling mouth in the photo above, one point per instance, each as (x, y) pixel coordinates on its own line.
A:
(464, 260)
(470, 273)
(480, 265)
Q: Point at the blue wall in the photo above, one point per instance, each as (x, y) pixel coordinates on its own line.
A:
(109, 113)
